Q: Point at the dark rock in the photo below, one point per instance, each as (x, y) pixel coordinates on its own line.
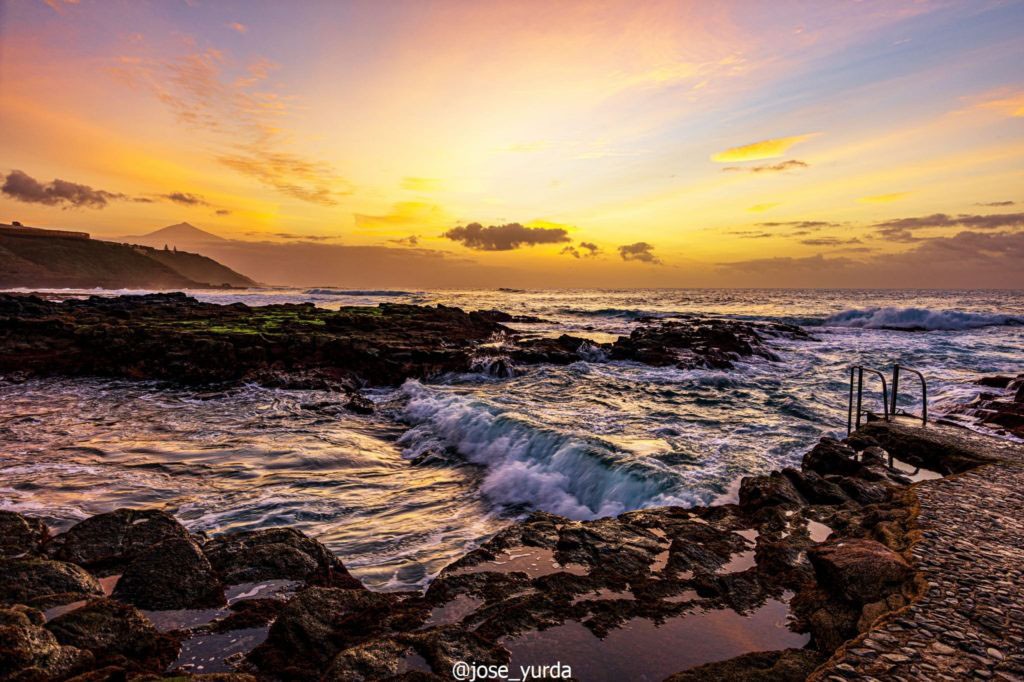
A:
(788, 665)
(380, 659)
(173, 574)
(864, 492)
(116, 634)
(107, 542)
(276, 553)
(29, 652)
(859, 570)
(564, 350)
(775, 489)
(998, 381)
(317, 624)
(248, 613)
(32, 580)
(814, 488)
(20, 535)
(830, 456)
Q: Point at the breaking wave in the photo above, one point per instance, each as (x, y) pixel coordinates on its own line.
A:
(530, 465)
(918, 319)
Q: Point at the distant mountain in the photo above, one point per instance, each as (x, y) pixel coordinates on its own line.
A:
(40, 258)
(181, 235)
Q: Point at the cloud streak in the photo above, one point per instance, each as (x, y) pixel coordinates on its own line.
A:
(765, 149)
(505, 237)
(791, 164)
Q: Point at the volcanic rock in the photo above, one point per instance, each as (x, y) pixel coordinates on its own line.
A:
(859, 570)
(107, 542)
(173, 574)
(20, 535)
(30, 652)
(44, 583)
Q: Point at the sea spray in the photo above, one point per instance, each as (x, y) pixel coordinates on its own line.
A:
(918, 319)
(530, 465)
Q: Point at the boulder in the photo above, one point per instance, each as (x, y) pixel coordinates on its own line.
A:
(20, 535)
(111, 540)
(115, 634)
(173, 574)
(814, 488)
(757, 492)
(864, 492)
(830, 456)
(276, 553)
(30, 652)
(859, 570)
(317, 624)
(44, 582)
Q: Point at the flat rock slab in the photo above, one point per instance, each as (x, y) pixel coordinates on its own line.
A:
(970, 622)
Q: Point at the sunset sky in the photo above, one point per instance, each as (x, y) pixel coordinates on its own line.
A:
(534, 143)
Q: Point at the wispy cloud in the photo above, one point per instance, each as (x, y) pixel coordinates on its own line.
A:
(760, 208)
(765, 149)
(791, 164)
(991, 221)
(830, 241)
(995, 204)
(416, 184)
(208, 90)
(404, 214)
(238, 27)
(411, 240)
(186, 199)
(505, 237)
(639, 251)
(584, 250)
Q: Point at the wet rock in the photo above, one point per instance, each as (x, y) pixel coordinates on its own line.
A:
(859, 570)
(30, 652)
(248, 613)
(173, 574)
(864, 492)
(44, 582)
(20, 535)
(379, 659)
(107, 542)
(276, 553)
(775, 489)
(788, 665)
(691, 342)
(998, 381)
(816, 489)
(830, 456)
(564, 350)
(115, 634)
(317, 624)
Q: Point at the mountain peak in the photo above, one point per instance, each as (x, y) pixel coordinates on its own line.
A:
(184, 231)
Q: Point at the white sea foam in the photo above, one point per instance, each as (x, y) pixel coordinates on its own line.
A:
(918, 319)
(528, 464)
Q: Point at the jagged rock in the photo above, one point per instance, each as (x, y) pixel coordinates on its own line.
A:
(173, 574)
(248, 613)
(775, 489)
(858, 570)
(44, 582)
(20, 535)
(830, 456)
(317, 624)
(31, 653)
(379, 659)
(276, 553)
(115, 634)
(864, 492)
(107, 542)
(564, 350)
(788, 665)
(814, 488)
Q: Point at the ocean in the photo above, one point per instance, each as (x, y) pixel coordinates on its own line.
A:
(442, 465)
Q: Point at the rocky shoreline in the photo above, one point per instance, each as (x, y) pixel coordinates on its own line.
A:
(132, 594)
(769, 587)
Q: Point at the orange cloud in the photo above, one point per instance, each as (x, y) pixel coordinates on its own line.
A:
(765, 149)
(238, 27)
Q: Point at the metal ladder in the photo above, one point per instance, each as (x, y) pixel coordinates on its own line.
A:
(853, 416)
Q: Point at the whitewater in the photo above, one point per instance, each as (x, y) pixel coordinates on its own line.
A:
(444, 464)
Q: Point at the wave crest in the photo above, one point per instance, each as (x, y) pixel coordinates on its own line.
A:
(918, 319)
(530, 465)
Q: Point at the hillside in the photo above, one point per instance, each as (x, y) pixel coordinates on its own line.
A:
(31, 260)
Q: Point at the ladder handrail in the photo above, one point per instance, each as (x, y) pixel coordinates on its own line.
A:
(859, 371)
(896, 369)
